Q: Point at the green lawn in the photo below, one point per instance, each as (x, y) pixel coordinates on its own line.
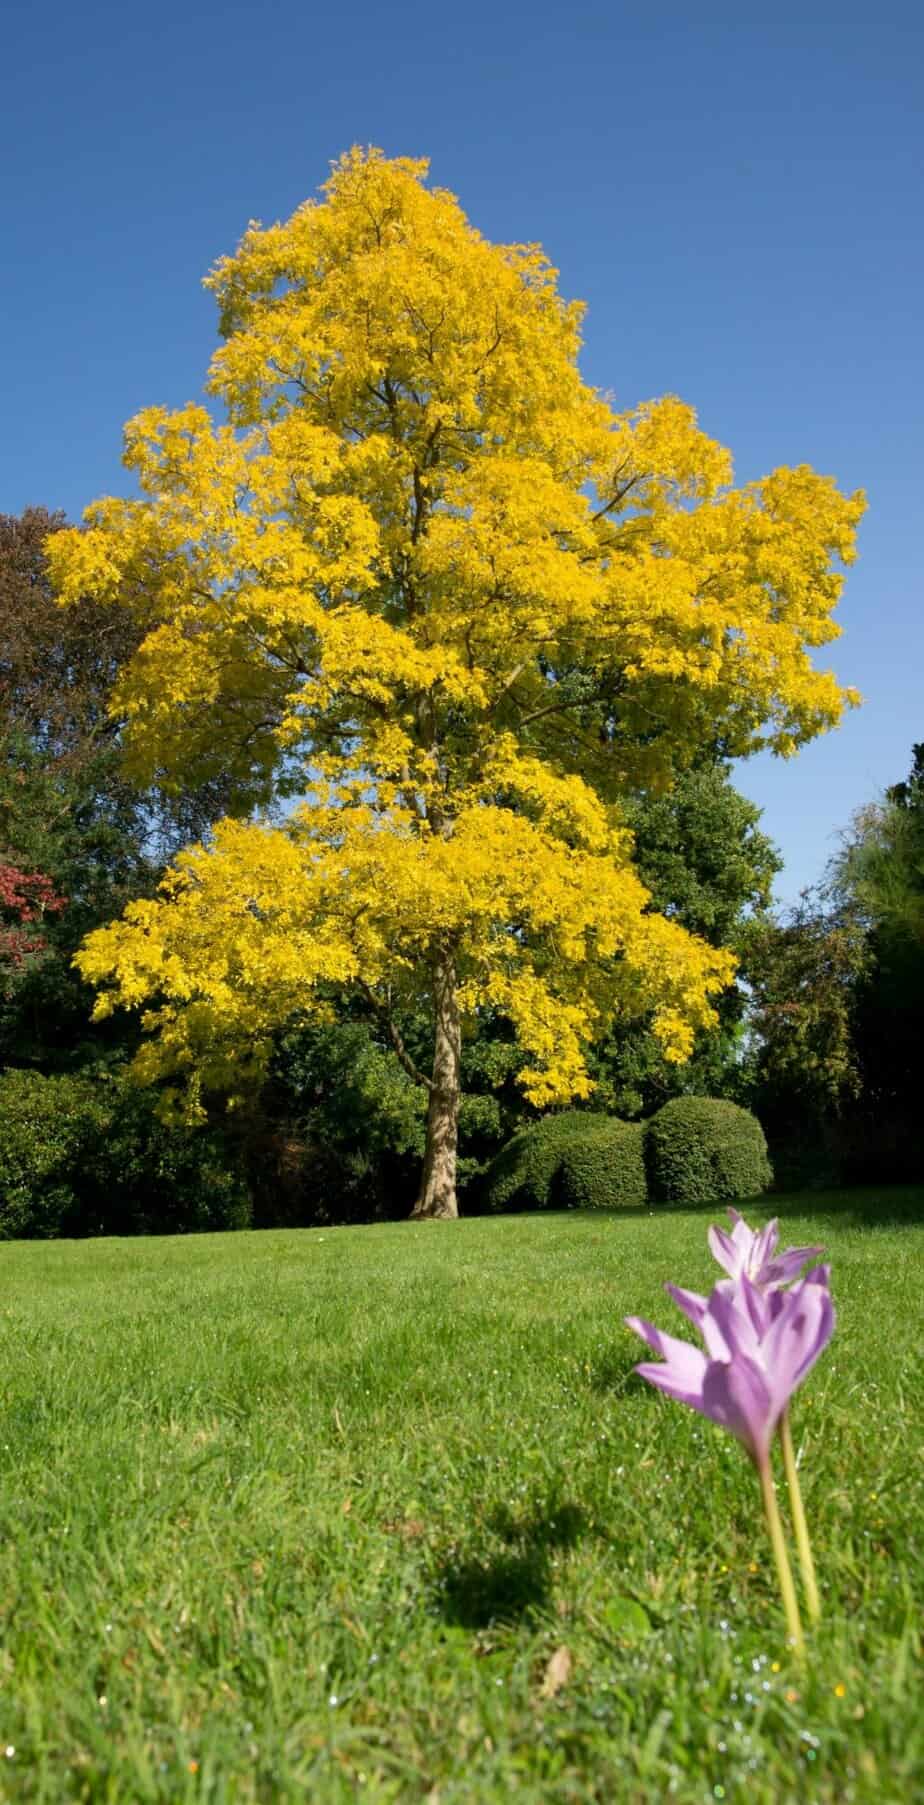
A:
(304, 1515)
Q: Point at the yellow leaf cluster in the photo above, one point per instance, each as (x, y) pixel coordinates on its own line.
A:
(262, 923)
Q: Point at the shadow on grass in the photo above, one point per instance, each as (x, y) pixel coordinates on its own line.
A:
(873, 1206)
(513, 1583)
(861, 1206)
(615, 1375)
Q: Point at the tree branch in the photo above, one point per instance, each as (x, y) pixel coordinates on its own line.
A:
(394, 1034)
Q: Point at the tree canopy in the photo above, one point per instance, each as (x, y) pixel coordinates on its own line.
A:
(427, 579)
(881, 863)
(700, 852)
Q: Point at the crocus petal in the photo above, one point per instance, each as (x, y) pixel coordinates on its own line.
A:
(753, 1302)
(817, 1275)
(787, 1265)
(672, 1384)
(728, 1327)
(685, 1360)
(736, 1395)
(764, 1245)
(776, 1304)
(690, 1302)
(723, 1249)
(799, 1333)
(743, 1238)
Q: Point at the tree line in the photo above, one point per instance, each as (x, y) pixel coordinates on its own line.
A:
(818, 1034)
(366, 780)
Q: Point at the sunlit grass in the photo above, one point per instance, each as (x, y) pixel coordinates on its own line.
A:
(305, 1515)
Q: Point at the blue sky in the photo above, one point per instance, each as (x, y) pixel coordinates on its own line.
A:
(736, 196)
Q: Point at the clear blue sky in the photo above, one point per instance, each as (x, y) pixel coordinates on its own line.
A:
(735, 190)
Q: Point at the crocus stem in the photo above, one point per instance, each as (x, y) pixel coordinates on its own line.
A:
(798, 1516)
(784, 1571)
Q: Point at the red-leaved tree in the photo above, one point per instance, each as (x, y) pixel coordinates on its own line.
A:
(26, 898)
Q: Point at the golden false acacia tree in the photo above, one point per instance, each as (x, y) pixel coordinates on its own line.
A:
(425, 578)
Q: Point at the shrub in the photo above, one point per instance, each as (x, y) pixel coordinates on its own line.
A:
(146, 1179)
(702, 1150)
(47, 1128)
(87, 1155)
(524, 1174)
(604, 1168)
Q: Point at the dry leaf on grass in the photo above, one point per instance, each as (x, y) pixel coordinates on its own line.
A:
(409, 1528)
(557, 1673)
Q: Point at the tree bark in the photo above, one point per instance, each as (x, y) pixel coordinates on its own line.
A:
(437, 1199)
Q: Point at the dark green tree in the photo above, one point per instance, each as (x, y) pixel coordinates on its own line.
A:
(880, 874)
(701, 851)
(801, 1066)
(67, 810)
(881, 865)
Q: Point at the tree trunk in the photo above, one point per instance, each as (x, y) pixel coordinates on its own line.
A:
(437, 1197)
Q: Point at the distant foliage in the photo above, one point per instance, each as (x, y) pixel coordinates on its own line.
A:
(604, 1168)
(87, 1156)
(881, 865)
(340, 1128)
(701, 1150)
(835, 1066)
(78, 839)
(48, 1128)
(147, 1179)
(804, 973)
(25, 899)
(524, 1175)
(699, 850)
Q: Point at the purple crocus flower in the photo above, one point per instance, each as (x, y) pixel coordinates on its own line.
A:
(751, 1253)
(760, 1339)
(759, 1346)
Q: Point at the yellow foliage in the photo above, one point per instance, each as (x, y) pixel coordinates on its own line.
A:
(261, 924)
(426, 571)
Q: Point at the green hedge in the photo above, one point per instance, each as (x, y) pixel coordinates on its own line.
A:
(703, 1150)
(574, 1160)
(604, 1169)
(49, 1128)
(524, 1174)
(88, 1156)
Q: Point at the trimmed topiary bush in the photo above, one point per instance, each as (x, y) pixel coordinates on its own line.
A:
(704, 1150)
(604, 1168)
(524, 1174)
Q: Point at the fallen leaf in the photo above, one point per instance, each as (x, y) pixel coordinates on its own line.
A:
(557, 1673)
(409, 1528)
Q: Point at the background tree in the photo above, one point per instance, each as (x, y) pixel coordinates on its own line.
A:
(881, 864)
(68, 809)
(802, 1072)
(57, 666)
(27, 899)
(427, 574)
(880, 875)
(699, 850)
